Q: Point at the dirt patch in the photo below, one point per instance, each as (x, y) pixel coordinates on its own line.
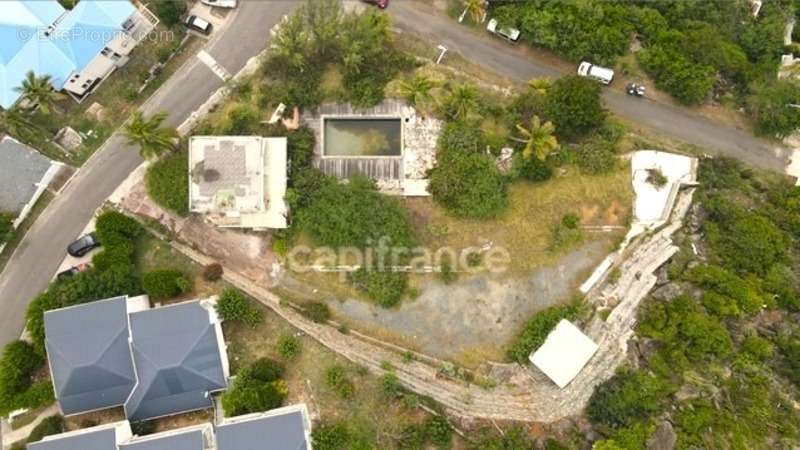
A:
(474, 318)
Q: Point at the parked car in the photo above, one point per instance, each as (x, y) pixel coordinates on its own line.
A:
(220, 3)
(198, 24)
(83, 245)
(601, 74)
(382, 4)
(72, 271)
(510, 34)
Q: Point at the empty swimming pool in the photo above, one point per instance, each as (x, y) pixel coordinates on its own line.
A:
(362, 137)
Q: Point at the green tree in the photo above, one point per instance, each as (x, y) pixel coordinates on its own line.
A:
(462, 103)
(150, 135)
(417, 91)
(257, 388)
(164, 283)
(538, 138)
(468, 185)
(17, 122)
(627, 397)
(38, 90)
(167, 182)
(775, 107)
(233, 306)
(573, 103)
(170, 11)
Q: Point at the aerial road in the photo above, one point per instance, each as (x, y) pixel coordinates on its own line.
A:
(513, 62)
(244, 35)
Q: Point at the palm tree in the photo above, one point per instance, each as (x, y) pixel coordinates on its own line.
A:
(152, 138)
(39, 91)
(462, 102)
(539, 85)
(476, 10)
(538, 138)
(15, 122)
(417, 90)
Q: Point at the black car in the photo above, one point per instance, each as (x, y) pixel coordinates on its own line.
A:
(83, 245)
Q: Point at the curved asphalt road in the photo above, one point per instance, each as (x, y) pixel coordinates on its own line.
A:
(244, 35)
(515, 63)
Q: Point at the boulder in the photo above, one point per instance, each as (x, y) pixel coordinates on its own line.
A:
(663, 438)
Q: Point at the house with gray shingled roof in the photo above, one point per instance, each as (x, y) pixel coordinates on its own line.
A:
(287, 428)
(120, 352)
(24, 176)
(103, 437)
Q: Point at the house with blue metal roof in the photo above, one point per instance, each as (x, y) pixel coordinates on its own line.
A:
(119, 352)
(78, 48)
(103, 437)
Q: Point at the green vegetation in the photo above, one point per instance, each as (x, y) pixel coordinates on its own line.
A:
(692, 50)
(150, 135)
(165, 283)
(47, 427)
(170, 12)
(18, 364)
(167, 183)
(232, 305)
(713, 340)
(538, 327)
(319, 36)
(257, 388)
(6, 227)
(336, 378)
(289, 346)
(38, 90)
(574, 104)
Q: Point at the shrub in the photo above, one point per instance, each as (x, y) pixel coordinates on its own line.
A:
(164, 283)
(112, 224)
(47, 427)
(301, 150)
(241, 120)
(317, 311)
(574, 105)
(656, 178)
(213, 272)
(170, 11)
(538, 327)
(233, 306)
(288, 346)
(532, 169)
(439, 431)
(468, 185)
(6, 227)
(391, 385)
(331, 437)
(336, 379)
(413, 437)
(625, 398)
(257, 388)
(167, 183)
(768, 106)
(461, 137)
(143, 427)
(596, 156)
(118, 255)
(385, 288)
(18, 363)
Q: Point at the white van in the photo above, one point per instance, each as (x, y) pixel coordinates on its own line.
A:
(601, 74)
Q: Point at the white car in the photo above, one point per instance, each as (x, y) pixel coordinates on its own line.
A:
(601, 74)
(509, 33)
(220, 3)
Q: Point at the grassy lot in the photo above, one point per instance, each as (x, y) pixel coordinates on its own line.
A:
(368, 410)
(525, 229)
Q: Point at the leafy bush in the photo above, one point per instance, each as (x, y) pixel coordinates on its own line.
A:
(233, 306)
(461, 137)
(241, 120)
(656, 178)
(331, 437)
(257, 388)
(18, 363)
(391, 386)
(288, 346)
(625, 398)
(385, 288)
(164, 283)
(6, 227)
(111, 225)
(336, 378)
(143, 427)
(170, 11)
(47, 427)
(574, 105)
(213, 272)
(468, 185)
(167, 183)
(532, 169)
(538, 327)
(439, 431)
(300, 147)
(687, 81)
(768, 105)
(317, 311)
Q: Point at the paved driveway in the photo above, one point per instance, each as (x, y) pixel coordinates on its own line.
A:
(40, 253)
